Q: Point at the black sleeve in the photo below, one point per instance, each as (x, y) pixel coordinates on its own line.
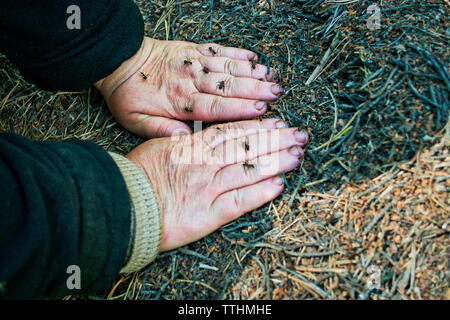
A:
(61, 204)
(35, 36)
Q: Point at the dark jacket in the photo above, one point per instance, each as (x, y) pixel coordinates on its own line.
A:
(63, 203)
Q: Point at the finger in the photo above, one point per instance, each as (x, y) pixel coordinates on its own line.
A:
(230, 86)
(152, 126)
(215, 135)
(247, 173)
(235, 203)
(208, 107)
(238, 68)
(215, 50)
(253, 146)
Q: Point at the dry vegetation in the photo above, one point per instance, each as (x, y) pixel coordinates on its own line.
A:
(358, 209)
(386, 238)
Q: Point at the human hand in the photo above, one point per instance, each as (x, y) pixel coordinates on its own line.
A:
(167, 81)
(207, 179)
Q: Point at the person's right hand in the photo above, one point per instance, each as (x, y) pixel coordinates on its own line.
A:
(206, 179)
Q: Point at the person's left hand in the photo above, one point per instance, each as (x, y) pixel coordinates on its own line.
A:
(168, 81)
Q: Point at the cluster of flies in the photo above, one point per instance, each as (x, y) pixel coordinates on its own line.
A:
(188, 62)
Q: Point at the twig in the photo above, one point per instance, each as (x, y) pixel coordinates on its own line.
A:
(310, 17)
(198, 283)
(422, 97)
(442, 72)
(312, 285)
(335, 109)
(294, 193)
(380, 92)
(341, 133)
(211, 15)
(193, 253)
(253, 18)
(310, 254)
(377, 218)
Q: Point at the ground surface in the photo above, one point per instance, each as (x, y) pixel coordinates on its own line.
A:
(359, 219)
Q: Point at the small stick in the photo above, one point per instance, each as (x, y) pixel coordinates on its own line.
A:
(335, 109)
(377, 218)
(291, 199)
(422, 97)
(193, 253)
(198, 283)
(380, 92)
(341, 133)
(311, 284)
(442, 72)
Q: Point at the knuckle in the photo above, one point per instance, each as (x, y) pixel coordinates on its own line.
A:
(230, 84)
(218, 49)
(229, 66)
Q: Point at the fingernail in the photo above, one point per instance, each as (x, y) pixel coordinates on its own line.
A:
(281, 124)
(277, 89)
(296, 151)
(260, 105)
(301, 136)
(277, 180)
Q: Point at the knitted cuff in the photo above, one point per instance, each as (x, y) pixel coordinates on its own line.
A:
(146, 212)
